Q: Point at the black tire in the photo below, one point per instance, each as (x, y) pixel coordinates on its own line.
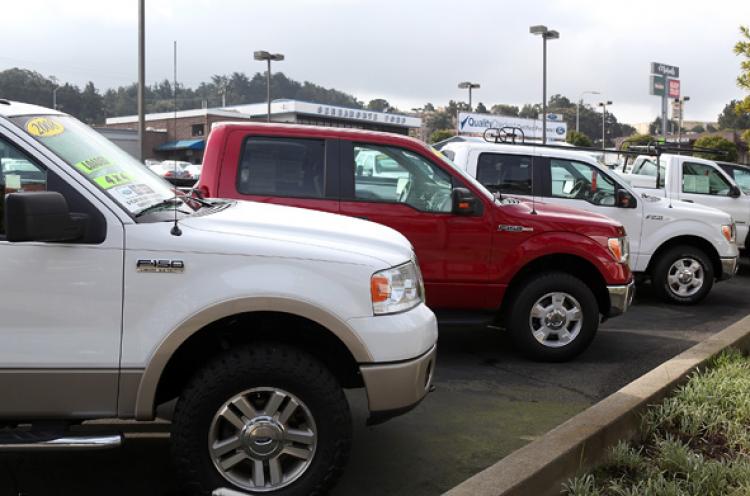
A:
(261, 366)
(519, 316)
(661, 269)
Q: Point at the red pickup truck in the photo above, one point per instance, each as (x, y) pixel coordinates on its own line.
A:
(546, 273)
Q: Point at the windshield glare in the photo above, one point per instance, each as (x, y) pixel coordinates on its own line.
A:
(107, 166)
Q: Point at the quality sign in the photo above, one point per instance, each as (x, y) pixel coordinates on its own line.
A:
(470, 123)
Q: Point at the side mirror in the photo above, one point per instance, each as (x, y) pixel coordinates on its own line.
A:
(625, 199)
(464, 202)
(734, 191)
(41, 216)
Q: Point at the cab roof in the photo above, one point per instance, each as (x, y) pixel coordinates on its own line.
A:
(9, 108)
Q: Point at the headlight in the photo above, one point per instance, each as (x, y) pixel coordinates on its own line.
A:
(619, 248)
(730, 232)
(396, 289)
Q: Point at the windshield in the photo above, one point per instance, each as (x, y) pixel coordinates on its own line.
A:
(106, 165)
(463, 173)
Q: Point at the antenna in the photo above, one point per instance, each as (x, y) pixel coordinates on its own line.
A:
(176, 231)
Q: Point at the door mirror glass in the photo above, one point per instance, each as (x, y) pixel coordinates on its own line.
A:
(41, 216)
(625, 199)
(464, 202)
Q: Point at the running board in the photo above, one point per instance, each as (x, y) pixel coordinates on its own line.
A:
(29, 441)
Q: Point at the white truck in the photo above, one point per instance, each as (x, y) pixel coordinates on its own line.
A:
(254, 317)
(694, 180)
(681, 247)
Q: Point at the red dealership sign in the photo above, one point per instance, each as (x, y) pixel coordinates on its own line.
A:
(674, 88)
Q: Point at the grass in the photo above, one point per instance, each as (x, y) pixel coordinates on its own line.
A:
(696, 442)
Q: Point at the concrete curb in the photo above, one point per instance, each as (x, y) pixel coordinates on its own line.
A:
(541, 467)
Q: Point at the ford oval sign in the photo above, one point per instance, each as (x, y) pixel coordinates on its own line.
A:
(560, 130)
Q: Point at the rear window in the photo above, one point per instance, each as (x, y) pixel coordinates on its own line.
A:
(282, 167)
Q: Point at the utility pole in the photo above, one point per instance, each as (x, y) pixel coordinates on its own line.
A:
(547, 34)
(142, 78)
(470, 86)
(267, 56)
(603, 105)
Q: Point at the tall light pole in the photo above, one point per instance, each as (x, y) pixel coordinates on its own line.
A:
(546, 34)
(681, 101)
(142, 78)
(264, 55)
(54, 91)
(578, 107)
(603, 105)
(466, 84)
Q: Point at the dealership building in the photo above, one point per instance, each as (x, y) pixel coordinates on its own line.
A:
(182, 135)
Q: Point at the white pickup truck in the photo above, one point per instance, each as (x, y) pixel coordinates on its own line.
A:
(681, 247)
(694, 180)
(254, 317)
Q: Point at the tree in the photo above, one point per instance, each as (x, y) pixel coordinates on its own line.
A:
(637, 139)
(742, 49)
(481, 109)
(711, 128)
(529, 111)
(502, 109)
(731, 118)
(379, 105)
(578, 139)
(441, 134)
(717, 143)
(655, 126)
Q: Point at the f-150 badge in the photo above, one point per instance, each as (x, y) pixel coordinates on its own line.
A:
(506, 228)
(173, 266)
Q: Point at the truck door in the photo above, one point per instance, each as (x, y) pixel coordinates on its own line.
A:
(706, 184)
(298, 172)
(412, 194)
(61, 305)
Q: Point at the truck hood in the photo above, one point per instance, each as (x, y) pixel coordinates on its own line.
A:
(311, 233)
(562, 218)
(655, 201)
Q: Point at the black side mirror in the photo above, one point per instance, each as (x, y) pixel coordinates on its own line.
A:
(41, 216)
(734, 191)
(625, 199)
(464, 202)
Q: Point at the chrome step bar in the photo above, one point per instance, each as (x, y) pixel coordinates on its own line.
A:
(64, 443)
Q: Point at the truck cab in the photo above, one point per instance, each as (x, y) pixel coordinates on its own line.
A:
(682, 247)
(547, 274)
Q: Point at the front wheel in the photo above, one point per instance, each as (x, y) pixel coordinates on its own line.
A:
(554, 317)
(683, 274)
(262, 419)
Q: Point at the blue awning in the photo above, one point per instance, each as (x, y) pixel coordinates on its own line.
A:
(196, 144)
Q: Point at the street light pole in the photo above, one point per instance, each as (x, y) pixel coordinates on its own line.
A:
(470, 86)
(142, 78)
(603, 105)
(679, 121)
(578, 107)
(267, 56)
(546, 34)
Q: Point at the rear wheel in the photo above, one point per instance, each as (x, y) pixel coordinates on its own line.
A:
(554, 317)
(264, 419)
(683, 274)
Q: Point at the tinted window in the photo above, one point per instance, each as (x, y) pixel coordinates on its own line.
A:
(505, 173)
(17, 174)
(579, 181)
(282, 167)
(395, 175)
(703, 179)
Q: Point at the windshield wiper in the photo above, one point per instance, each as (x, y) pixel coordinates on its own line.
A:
(168, 202)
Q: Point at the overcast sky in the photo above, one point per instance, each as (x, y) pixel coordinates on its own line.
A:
(409, 52)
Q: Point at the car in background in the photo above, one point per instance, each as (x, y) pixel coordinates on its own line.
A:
(177, 172)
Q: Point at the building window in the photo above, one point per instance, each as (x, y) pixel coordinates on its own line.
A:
(199, 129)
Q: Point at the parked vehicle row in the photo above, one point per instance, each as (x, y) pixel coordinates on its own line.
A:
(253, 317)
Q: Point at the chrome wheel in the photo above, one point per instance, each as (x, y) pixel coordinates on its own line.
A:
(262, 439)
(556, 319)
(685, 277)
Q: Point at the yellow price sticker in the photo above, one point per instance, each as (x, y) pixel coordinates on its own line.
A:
(44, 127)
(91, 165)
(108, 181)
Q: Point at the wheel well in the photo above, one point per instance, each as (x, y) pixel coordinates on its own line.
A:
(251, 327)
(694, 241)
(569, 264)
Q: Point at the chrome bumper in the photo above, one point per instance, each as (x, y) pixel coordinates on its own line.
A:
(729, 267)
(620, 298)
(396, 388)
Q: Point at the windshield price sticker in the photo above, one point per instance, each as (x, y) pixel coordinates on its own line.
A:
(91, 165)
(108, 181)
(136, 196)
(44, 127)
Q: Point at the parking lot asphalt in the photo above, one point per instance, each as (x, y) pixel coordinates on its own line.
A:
(489, 401)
